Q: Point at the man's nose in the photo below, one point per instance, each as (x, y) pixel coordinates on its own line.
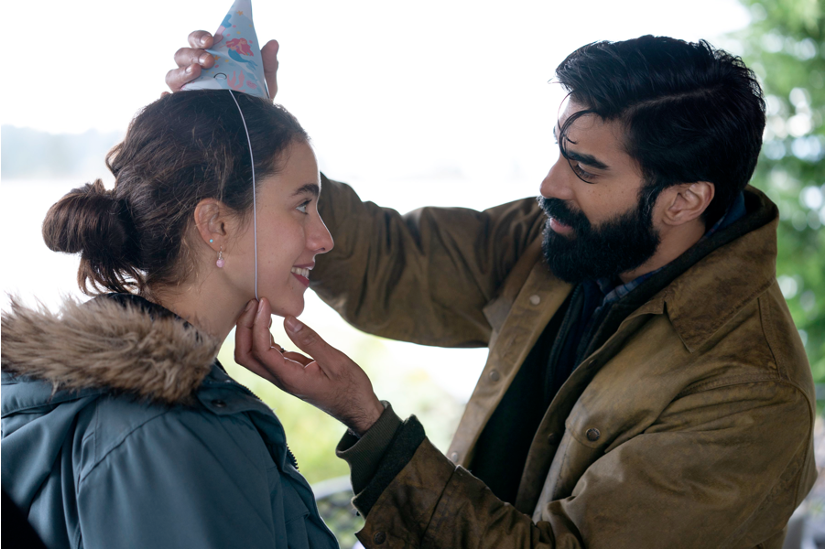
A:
(557, 184)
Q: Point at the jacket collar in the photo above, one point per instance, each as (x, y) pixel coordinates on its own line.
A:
(716, 277)
(119, 343)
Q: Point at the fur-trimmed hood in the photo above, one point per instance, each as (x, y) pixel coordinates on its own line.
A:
(118, 343)
(97, 457)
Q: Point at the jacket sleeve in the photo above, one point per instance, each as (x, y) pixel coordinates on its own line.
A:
(179, 480)
(689, 480)
(422, 277)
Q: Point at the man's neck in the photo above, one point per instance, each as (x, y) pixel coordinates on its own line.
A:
(674, 241)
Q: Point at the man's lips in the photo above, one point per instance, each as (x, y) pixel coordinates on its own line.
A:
(559, 227)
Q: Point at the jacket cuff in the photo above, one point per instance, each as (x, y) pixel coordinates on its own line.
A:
(407, 439)
(364, 454)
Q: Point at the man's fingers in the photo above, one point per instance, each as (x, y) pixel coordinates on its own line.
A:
(269, 58)
(185, 57)
(200, 39)
(176, 78)
(263, 349)
(243, 333)
(313, 345)
(297, 357)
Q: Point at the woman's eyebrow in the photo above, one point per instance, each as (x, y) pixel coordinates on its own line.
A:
(309, 189)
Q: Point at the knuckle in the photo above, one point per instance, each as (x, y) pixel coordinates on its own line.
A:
(310, 338)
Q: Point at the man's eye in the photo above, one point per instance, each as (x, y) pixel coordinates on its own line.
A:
(581, 173)
(303, 207)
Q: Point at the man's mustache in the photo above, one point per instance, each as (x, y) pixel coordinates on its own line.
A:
(558, 210)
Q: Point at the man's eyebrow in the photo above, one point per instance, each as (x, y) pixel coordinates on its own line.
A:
(308, 188)
(586, 159)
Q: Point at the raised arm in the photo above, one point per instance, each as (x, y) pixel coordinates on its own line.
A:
(422, 277)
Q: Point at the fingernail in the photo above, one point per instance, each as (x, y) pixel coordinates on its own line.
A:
(203, 40)
(203, 59)
(260, 306)
(293, 324)
(249, 305)
(189, 70)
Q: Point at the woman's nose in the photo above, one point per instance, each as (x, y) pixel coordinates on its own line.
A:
(319, 239)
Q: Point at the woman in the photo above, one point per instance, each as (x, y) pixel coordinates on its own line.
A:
(120, 427)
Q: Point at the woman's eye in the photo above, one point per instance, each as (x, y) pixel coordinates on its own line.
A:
(303, 207)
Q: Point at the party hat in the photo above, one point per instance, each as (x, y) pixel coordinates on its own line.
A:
(238, 67)
(237, 56)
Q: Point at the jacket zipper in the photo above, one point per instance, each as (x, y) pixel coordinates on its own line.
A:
(291, 457)
(246, 390)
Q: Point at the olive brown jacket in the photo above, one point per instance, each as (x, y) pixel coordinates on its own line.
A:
(690, 426)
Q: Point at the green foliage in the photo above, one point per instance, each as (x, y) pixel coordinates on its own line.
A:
(784, 45)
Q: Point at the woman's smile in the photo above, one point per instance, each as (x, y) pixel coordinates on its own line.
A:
(302, 274)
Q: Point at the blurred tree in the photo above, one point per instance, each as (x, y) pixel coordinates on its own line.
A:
(784, 46)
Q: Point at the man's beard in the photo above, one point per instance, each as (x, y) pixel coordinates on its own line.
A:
(616, 246)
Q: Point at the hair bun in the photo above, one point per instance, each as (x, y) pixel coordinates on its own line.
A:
(85, 220)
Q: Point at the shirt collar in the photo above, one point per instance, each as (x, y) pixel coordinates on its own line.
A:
(614, 292)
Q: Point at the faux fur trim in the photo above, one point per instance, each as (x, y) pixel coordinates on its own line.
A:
(108, 345)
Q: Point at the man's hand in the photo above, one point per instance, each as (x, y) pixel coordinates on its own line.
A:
(329, 381)
(191, 60)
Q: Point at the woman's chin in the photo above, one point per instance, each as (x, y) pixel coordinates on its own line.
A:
(294, 308)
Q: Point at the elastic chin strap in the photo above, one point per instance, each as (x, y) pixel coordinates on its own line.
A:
(254, 205)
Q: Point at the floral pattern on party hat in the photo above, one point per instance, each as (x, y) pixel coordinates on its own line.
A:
(237, 56)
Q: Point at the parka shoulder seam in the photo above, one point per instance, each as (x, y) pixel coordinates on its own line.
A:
(117, 446)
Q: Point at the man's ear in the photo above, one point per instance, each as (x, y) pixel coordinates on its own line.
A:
(687, 202)
(212, 220)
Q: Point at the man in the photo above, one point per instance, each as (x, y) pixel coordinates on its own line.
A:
(645, 385)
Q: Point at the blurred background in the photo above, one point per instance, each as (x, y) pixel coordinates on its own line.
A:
(425, 103)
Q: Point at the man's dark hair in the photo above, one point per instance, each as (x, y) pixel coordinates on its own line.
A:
(691, 112)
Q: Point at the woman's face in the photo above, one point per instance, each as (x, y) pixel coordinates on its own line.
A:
(290, 234)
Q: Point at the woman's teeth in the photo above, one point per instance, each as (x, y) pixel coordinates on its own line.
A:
(303, 271)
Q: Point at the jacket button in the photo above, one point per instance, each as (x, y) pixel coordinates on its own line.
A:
(553, 439)
(379, 537)
(454, 456)
(592, 434)
(494, 375)
(535, 299)
(218, 403)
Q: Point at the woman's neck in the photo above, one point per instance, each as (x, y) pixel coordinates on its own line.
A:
(210, 310)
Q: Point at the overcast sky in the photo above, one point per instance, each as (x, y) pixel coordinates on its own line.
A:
(416, 103)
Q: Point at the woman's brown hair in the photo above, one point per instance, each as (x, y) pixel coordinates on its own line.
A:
(179, 150)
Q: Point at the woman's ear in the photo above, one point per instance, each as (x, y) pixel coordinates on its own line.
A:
(211, 219)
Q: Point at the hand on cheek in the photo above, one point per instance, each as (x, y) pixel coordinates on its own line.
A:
(330, 380)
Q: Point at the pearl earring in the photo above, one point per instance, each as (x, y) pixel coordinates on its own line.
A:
(220, 262)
